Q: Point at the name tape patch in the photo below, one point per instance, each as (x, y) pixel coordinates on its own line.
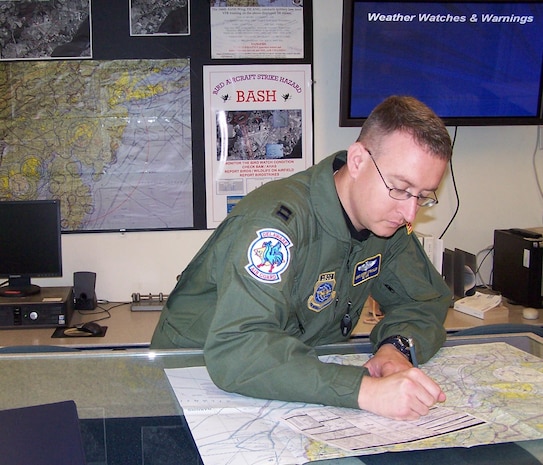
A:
(367, 269)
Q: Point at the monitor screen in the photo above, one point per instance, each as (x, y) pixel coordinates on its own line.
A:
(30, 244)
(473, 63)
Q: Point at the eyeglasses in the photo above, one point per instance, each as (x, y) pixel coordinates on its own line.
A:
(400, 194)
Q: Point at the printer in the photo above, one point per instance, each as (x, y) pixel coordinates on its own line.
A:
(518, 265)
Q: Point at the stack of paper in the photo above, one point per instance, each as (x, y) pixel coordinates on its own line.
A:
(433, 247)
(481, 305)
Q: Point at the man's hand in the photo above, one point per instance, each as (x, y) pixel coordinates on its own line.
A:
(387, 361)
(395, 389)
(406, 395)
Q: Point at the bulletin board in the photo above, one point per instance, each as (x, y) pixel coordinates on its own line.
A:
(112, 107)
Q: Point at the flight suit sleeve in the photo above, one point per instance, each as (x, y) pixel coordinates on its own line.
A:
(413, 297)
(254, 345)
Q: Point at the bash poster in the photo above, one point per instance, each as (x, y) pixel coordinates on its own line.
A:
(258, 127)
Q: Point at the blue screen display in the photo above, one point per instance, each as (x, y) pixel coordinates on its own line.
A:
(464, 60)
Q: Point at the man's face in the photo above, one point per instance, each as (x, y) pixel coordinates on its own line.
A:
(404, 165)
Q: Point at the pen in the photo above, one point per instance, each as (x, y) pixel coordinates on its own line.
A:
(412, 352)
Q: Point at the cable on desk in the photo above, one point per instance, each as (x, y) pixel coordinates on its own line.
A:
(102, 309)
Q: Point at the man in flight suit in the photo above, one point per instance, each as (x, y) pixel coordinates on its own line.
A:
(294, 262)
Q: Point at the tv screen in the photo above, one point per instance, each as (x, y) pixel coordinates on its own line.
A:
(473, 63)
(30, 244)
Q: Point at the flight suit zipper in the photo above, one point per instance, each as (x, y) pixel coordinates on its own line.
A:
(346, 323)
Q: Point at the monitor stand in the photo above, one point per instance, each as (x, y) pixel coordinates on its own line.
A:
(19, 287)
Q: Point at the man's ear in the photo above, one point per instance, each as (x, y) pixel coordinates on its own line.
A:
(355, 157)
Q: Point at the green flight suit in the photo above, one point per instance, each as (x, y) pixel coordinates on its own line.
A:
(277, 277)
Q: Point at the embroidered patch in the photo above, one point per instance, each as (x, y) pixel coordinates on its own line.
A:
(284, 213)
(367, 269)
(323, 292)
(269, 255)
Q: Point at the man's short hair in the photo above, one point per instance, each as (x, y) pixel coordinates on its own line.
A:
(407, 114)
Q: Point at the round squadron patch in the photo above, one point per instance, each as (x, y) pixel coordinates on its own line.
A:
(269, 255)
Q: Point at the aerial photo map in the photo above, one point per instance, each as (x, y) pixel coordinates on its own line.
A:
(111, 139)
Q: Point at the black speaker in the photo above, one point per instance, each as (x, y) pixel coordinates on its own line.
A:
(465, 273)
(84, 294)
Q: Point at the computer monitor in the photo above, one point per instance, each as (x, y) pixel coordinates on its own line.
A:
(30, 244)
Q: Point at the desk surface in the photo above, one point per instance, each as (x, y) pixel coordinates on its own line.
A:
(128, 329)
(457, 321)
(132, 385)
(125, 328)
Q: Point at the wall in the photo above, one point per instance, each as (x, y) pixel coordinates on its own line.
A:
(492, 168)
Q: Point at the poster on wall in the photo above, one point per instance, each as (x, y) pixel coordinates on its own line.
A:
(39, 30)
(152, 18)
(257, 29)
(258, 127)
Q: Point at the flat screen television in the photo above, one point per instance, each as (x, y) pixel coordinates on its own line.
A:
(473, 63)
(30, 244)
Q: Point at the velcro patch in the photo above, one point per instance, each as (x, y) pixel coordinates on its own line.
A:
(323, 292)
(269, 255)
(284, 213)
(367, 269)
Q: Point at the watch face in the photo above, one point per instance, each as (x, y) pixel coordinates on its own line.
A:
(401, 343)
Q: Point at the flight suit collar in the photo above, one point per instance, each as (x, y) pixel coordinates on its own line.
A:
(328, 208)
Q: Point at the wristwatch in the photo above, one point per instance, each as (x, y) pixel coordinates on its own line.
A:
(401, 343)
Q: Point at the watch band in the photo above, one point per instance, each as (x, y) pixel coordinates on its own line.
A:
(399, 342)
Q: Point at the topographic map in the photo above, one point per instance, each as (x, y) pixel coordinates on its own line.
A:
(497, 383)
(110, 139)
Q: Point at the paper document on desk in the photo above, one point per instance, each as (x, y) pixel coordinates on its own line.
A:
(493, 382)
(355, 430)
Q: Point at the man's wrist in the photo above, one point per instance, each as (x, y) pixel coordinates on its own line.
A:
(401, 343)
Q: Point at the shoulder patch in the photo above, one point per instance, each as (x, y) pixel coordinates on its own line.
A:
(269, 255)
(367, 269)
